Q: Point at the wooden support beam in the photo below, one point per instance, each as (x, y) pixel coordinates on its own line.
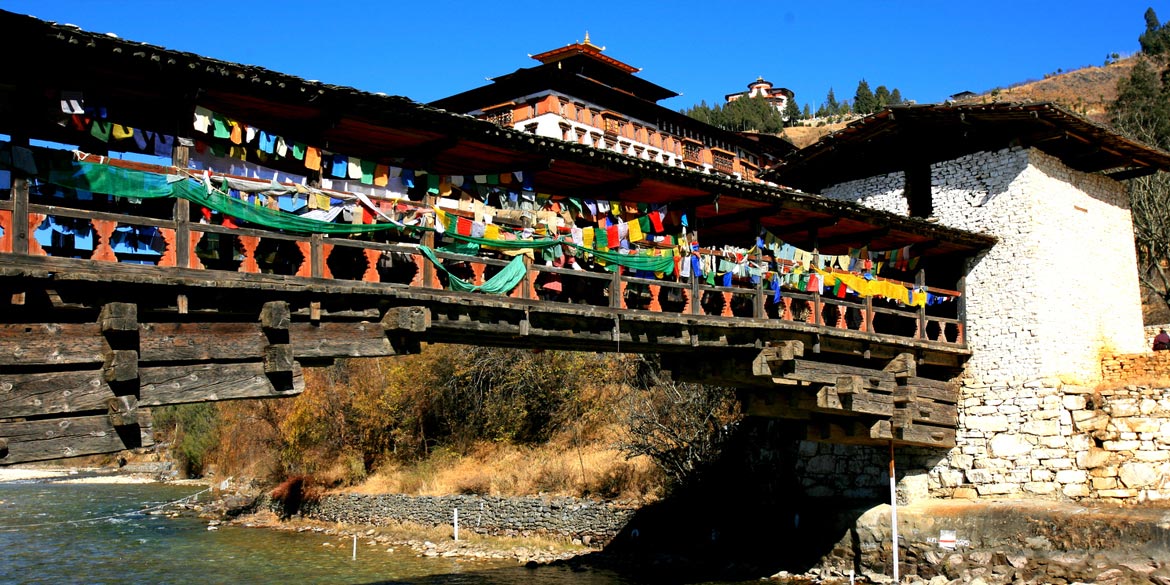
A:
(828, 373)
(412, 319)
(903, 366)
(123, 411)
(211, 382)
(856, 237)
(42, 440)
(28, 344)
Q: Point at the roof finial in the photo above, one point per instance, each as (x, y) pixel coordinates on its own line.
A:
(587, 38)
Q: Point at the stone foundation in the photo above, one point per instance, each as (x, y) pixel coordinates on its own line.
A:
(480, 514)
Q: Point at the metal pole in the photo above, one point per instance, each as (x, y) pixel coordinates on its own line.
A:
(894, 512)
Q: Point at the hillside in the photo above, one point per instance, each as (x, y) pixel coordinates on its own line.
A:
(1087, 91)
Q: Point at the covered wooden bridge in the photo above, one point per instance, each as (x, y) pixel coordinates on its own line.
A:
(178, 229)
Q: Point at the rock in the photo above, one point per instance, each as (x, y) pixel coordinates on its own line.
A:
(1136, 475)
(1017, 561)
(1110, 576)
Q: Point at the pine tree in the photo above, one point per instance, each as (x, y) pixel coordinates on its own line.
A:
(1156, 39)
(791, 113)
(807, 111)
(896, 97)
(882, 97)
(831, 105)
(863, 99)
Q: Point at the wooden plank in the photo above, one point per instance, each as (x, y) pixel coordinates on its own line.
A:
(173, 342)
(827, 373)
(47, 439)
(935, 390)
(35, 394)
(925, 436)
(25, 344)
(210, 382)
(333, 340)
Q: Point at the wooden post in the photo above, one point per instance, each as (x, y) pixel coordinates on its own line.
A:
(696, 309)
(615, 289)
(961, 310)
(180, 157)
(20, 231)
(317, 269)
(818, 319)
(919, 283)
(428, 240)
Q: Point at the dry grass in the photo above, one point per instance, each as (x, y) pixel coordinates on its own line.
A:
(508, 470)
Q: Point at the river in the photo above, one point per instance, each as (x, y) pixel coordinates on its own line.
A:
(93, 533)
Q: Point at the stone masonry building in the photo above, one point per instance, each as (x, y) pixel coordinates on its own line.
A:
(1057, 295)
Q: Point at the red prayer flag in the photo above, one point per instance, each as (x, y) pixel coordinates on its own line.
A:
(656, 221)
(463, 226)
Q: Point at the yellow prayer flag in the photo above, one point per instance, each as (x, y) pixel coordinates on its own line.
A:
(491, 232)
(121, 132)
(587, 237)
(636, 234)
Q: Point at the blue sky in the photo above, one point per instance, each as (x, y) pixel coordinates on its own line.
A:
(703, 50)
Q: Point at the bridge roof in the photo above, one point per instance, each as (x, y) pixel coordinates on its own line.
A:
(154, 88)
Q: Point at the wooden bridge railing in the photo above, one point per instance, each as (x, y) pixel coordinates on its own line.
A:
(250, 250)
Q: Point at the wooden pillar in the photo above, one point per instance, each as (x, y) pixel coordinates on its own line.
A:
(919, 283)
(428, 240)
(961, 309)
(816, 254)
(317, 256)
(616, 290)
(696, 300)
(180, 157)
(20, 231)
(758, 304)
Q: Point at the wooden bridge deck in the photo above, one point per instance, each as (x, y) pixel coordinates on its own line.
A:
(87, 346)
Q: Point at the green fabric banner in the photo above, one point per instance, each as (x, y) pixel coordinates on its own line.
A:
(122, 182)
(502, 283)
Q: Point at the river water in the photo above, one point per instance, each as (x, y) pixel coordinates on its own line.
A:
(91, 533)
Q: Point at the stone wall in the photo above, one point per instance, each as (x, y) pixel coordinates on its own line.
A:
(1023, 294)
(1037, 439)
(1040, 319)
(479, 514)
(1141, 367)
(884, 192)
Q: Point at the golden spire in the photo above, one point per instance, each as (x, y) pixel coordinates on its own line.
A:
(587, 38)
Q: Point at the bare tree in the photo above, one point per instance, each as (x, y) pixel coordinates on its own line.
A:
(680, 426)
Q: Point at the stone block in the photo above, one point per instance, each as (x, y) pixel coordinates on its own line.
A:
(965, 493)
(1071, 476)
(993, 489)
(1075, 490)
(1098, 421)
(1152, 456)
(1121, 445)
(1094, 457)
(1139, 475)
(1074, 401)
(1117, 493)
(1137, 424)
(1104, 471)
(1040, 487)
(1007, 446)
(1103, 483)
(980, 476)
(987, 424)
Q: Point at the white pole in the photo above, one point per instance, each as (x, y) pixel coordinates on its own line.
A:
(355, 547)
(894, 511)
(456, 524)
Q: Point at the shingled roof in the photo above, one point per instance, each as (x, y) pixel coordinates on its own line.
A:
(883, 142)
